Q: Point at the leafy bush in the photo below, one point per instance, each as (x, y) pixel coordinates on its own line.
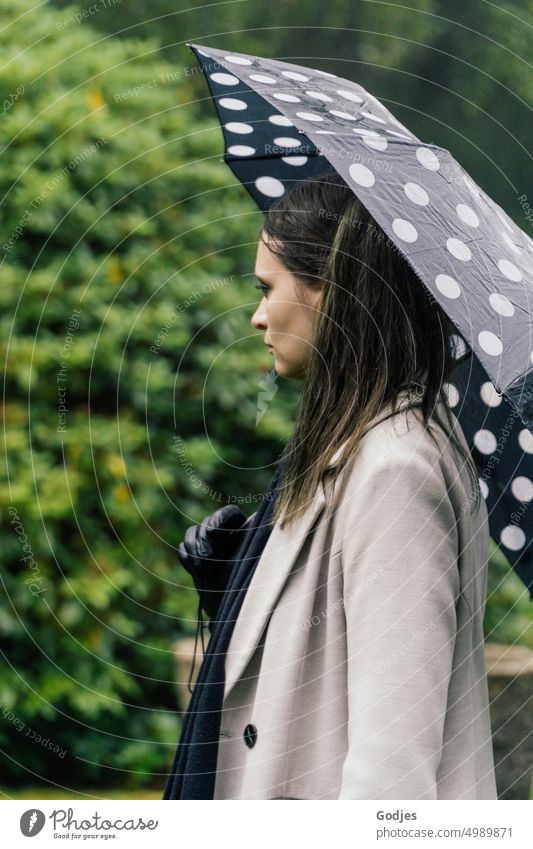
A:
(508, 610)
(124, 309)
(115, 211)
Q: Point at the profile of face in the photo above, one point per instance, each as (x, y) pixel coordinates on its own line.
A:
(287, 314)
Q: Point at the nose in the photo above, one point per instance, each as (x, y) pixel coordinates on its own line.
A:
(259, 318)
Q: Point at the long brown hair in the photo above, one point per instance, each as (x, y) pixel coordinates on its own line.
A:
(379, 331)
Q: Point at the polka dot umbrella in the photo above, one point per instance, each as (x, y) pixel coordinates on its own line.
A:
(284, 123)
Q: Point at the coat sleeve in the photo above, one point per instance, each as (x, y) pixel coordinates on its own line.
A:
(401, 586)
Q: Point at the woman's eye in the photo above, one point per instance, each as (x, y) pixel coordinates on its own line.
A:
(262, 288)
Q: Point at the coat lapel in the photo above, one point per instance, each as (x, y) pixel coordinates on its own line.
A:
(280, 553)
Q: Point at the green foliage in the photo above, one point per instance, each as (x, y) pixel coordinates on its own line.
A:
(116, 204)
(508, 612)
(115, 210)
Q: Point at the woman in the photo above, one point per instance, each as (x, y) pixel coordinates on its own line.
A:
(355, 667)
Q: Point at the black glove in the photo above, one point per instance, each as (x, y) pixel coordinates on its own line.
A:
(208, 550)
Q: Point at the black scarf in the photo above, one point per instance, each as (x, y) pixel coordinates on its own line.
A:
(193, 772)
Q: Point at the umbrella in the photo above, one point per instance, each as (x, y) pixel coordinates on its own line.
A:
(284, 123)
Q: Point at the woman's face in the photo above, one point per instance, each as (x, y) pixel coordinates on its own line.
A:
(288, 321)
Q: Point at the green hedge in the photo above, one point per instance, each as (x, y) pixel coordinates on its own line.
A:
(124, 311)
(131, 388)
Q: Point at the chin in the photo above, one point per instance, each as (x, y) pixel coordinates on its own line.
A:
(287, 370)
(289, 374)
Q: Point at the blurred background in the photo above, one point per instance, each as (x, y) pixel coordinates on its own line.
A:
(133, 384)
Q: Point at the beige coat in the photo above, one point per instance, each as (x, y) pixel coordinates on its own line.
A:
(356, 666)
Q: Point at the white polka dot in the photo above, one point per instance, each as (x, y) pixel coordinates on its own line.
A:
(309, 116)
(237, 127)
(404, 230)
(280, 121)
(318, 95)
(490, 343)
(525, 441)
(293, 75)
(225, 79)
(522, 488)
(485, 441)
(489, 395)
(427, 158)
(339, 114)
(287, 141)
(371, 134)
(287, 98)
(326, 132)
(484, 488)
(501, 304)
(510, 244)
(467, 214)
(294, 160)
(452, 394)
(509, 270)
(379, 143)
(373, 117)
(447, 286)
(263, 78)
(416, 193)
(232, 103)
(238, 60)
(362, 175)
(349, 95)
(327, 74)
(459, 250)
(241, 150)
(513, 538)
(270, 186)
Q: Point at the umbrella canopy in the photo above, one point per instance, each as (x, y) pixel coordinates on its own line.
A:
(284, 123)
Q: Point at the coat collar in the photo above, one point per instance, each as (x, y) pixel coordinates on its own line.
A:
(280, 553)
(405, 398)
